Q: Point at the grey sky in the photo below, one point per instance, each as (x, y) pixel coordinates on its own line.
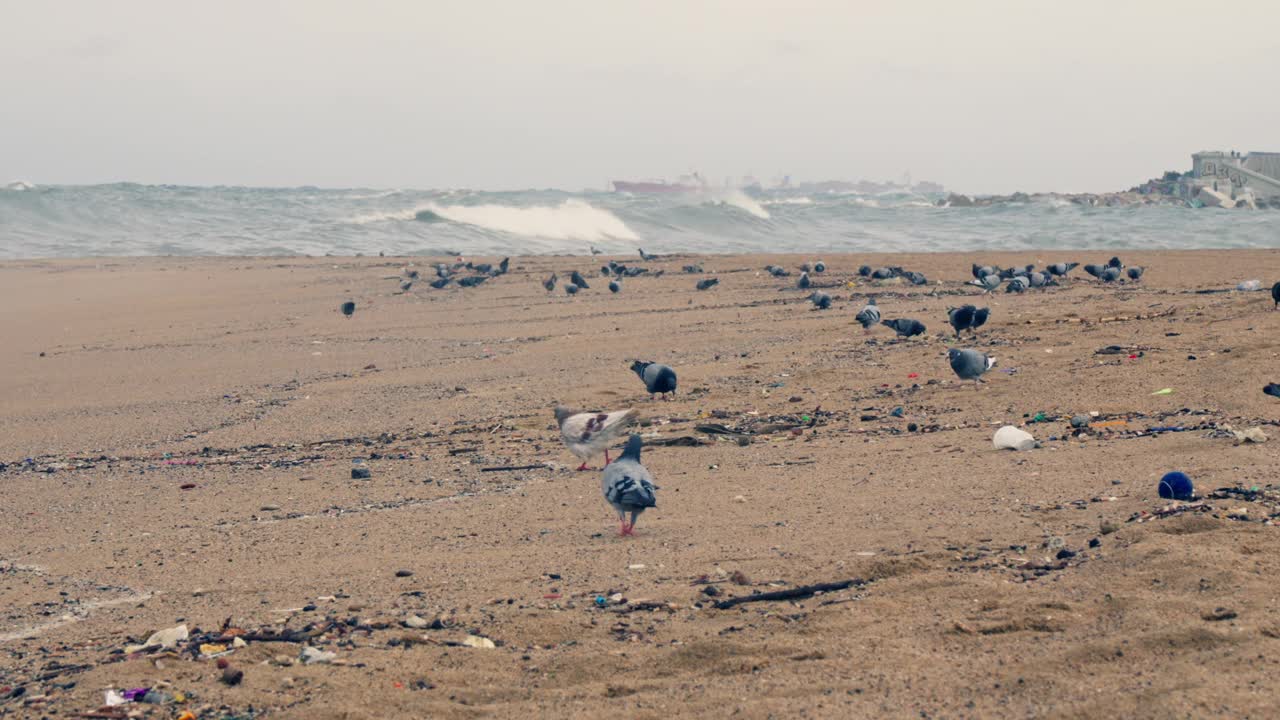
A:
(983, 95)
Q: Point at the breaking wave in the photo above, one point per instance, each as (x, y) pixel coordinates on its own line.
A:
(570, 220)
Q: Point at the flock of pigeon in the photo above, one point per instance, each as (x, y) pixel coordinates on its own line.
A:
(627, 485)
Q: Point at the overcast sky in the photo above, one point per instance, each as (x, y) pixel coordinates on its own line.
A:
(981, 95)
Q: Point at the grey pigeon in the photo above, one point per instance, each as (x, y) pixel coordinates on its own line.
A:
(705, 283)
(473, 280)
(439, 283)
(1115, 263)
(349, 308)
(1272, 389)
(1135, 273)
(605, 271)
(779, 271)
(961, 318)
(819, 267)
(1110, 274)
(406, 286)
(970, 364)
(646, 256)
(692, 269)
(865, 271)
(821, 300)
(1038, 279)
(657, 378)
(550, 283)
(987, 282)
(595, 250)
(482, 268)
(411, 274)
(869, 316)
(916, 278)
(1061, 269)
(805, 267)
(1275, 295)
(578, 280)
(1017, 284)
(502, 266)
(979, 271)
(589, 433)
(905, 327)
(628, 486)
(881, 274)
(570, 289)
(614, 286)
(1094, 270)
(803, 283)
(634, 271)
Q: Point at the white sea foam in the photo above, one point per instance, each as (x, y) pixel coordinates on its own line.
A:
(790, 201)
(570, 220)
(737, 198)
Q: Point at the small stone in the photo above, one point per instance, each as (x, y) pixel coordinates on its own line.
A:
(1065, 554)
(1095, 542)
(416, 623)
(238, 642)
(739, 498)
(269, 508)
(795, 398)
(316, 656)
(711, 591)
(232, 676)
(361, 473)
(1080, 421)
(404, 573)
(282, 660)
(1108, 526)
(475, 641)
(1219, 614)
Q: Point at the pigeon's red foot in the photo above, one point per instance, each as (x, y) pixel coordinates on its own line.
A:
(582, 467)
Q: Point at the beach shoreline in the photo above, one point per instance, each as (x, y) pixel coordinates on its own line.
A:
(180, 435)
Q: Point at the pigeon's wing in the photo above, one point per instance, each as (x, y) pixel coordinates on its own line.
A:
(628, 484)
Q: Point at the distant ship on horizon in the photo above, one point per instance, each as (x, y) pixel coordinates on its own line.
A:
(685, 184)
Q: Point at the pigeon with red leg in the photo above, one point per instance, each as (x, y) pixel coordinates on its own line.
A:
(628, 486)
(590, 433)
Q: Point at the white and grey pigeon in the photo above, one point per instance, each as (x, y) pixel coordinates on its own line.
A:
(869, 316)
(970, 364)
(1017, 284)
(803, 283)
(987, 282)
(628, 486)
(590, 433)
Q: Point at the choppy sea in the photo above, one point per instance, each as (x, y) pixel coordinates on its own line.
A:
(130, 219)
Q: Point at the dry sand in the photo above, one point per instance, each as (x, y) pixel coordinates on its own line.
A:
(124, 380)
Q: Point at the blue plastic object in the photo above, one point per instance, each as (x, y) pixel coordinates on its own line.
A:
(1176, 486)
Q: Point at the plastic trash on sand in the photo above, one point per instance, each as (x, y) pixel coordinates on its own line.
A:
(166, 639)
(1176, 486)
(475, 641)
(1011, 438)
(1249, 285)
(1163, 391)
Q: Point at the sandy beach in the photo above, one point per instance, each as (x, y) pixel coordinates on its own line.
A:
(179, 434)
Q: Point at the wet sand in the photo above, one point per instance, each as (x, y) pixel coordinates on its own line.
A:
(126, 380)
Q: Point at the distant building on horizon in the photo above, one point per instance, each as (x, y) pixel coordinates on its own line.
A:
(1234, 175)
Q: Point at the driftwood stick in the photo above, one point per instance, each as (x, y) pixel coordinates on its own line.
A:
(796, 593)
